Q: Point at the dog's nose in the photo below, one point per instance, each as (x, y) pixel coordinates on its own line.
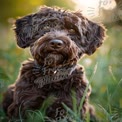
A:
(56, 43)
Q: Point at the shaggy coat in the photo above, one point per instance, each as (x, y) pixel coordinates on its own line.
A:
(57, 40)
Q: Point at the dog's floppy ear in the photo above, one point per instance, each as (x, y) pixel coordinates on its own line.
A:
(24, 31)
(92, 34)
(95, 36)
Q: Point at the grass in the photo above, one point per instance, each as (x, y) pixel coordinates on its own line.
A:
(103, 69)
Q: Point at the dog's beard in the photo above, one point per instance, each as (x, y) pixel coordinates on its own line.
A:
(53, 59)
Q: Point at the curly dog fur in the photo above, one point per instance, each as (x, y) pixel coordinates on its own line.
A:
(57, 40)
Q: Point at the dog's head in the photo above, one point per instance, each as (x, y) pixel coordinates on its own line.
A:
(53, 33)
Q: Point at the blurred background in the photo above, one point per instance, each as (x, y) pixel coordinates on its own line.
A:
(103, 69)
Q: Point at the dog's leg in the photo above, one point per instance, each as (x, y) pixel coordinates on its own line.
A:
(25, 97)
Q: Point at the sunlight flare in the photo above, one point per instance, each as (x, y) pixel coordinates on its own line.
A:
(91, 8)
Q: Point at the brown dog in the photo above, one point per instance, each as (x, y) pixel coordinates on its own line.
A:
(57, 40)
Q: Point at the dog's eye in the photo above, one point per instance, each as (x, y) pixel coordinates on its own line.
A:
(72, 31)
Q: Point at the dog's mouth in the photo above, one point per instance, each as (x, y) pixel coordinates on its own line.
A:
(53, 59)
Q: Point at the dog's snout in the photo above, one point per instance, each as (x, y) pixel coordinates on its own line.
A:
(56, 43)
